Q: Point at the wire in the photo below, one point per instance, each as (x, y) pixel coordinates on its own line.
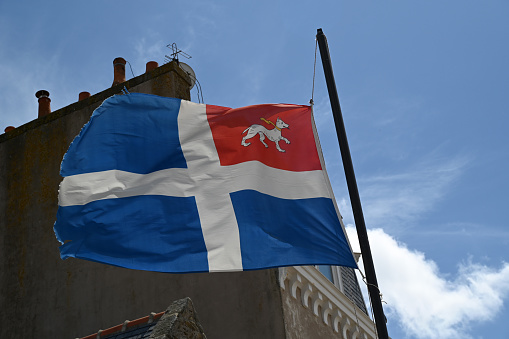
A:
(370, 303)
(130, 68)
(198, 88)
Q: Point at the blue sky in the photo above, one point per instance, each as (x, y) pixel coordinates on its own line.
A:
(423, 88)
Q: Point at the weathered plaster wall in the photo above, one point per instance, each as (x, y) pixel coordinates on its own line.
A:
(45, 297)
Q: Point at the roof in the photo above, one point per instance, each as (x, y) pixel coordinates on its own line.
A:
(178, 321)
(135, 329)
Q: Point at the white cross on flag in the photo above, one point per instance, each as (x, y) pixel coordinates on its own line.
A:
(163, 184)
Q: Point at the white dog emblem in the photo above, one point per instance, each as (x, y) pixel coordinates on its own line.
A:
(273, 134)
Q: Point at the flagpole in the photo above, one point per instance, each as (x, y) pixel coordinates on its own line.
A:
(367, 259)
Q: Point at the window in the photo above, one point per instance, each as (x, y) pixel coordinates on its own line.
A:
(332, 273)
(326, 270)
(345, 280)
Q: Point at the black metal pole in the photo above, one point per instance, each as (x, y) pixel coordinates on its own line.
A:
(367, 259)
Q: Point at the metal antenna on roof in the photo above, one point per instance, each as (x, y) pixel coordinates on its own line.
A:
(174, 56)
(175, 53)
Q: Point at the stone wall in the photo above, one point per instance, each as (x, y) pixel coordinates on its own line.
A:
(45, 297)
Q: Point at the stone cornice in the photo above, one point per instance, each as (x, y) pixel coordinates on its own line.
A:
(322, 298)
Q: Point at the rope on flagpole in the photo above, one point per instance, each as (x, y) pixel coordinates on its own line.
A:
(311, 102)
(370, 304)
(355, 312)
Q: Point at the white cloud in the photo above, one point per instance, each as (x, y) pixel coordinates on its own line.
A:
(422, 301)
(426, 304)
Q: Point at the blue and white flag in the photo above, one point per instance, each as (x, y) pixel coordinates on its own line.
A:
(162, 184)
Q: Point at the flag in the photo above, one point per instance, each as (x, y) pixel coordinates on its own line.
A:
(162, 184)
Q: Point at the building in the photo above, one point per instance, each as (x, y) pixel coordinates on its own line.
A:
(45, 297)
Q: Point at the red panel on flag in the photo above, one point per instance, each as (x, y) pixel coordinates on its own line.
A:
(240, 134)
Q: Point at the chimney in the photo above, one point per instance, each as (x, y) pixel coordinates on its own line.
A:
(83, 95)
(44, 102)
(118, 71)
(9, 128)
(151, 65)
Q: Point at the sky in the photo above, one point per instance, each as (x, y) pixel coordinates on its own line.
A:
(423, 86)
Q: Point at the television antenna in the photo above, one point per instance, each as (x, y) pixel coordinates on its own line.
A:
(175, 53)
(174, 56)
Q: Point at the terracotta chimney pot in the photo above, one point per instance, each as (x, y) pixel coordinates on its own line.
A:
(118, 71)
(83, 95)
(44, 102)
(9, 128)
(151, 65)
